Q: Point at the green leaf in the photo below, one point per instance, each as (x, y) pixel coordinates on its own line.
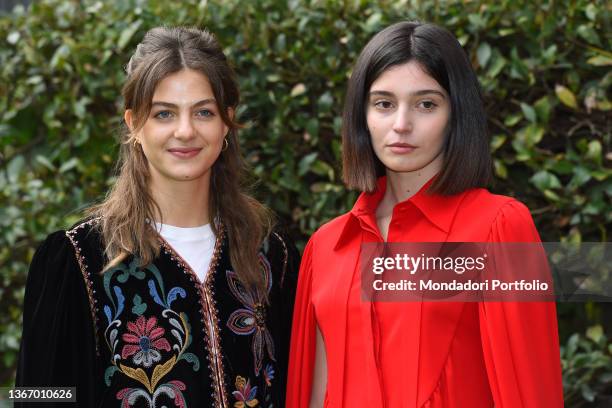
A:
(530, 135)
(325, 101)
(483, 54)
(512, 120)
(373, 22)
(528, 112)
(595, 333)
(566, 96)
(497, 141)
(544, 180)
(551, 195)
(500, 169)
(298, 90)
(127, 34)
(572, 344)
(587, 392)
(59, 57)
(45, 162)
(14, 168)
(594, 151)
(591, 11)
(306, 163)
(543, 108)
(581, 176)
(600, 60)
(499, 62)
(588, 34)
(69, 165)
(323, 169)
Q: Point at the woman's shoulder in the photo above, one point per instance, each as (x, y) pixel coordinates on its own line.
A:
(85, 234)
(484, 201)
(279, 241)
(55, 261)
(509, 219)
(332, 229)
(84, 227)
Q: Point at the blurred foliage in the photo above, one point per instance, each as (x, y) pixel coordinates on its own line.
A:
(544, 67)
(587, 369)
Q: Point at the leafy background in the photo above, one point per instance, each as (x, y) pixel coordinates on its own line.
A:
(544, 67)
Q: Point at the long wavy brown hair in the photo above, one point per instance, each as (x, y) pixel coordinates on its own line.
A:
(128, 207)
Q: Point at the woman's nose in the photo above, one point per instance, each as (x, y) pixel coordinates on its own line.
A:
(403, 121)
(185, 129)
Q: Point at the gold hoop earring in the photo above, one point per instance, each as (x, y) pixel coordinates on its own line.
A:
(225, 144)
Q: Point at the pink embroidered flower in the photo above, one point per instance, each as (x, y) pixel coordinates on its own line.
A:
(244, 394)
(144, 341)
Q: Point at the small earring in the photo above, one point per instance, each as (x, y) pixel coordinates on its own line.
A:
(225, 144)
(135, 142)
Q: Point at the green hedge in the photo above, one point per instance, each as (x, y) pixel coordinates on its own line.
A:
(544, 67)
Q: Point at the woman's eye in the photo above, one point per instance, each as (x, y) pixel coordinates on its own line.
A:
(205, 113)
(383, 104)
(163, 114)
(428, 105)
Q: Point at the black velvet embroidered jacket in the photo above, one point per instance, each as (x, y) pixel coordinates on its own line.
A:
(155, 336)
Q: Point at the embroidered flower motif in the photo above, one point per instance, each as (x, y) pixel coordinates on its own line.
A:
(252, 318)
(244, 394)
(268, 374)
(144, 340)
(172, 389)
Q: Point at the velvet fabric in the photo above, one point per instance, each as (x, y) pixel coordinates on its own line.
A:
(155, 335)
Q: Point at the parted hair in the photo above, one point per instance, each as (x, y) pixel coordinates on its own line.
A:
(128, 209)
(467, 157)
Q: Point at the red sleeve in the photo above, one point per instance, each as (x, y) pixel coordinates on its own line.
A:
(303, 341)
(520, 339)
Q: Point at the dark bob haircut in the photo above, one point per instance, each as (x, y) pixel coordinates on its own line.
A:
(467, 158)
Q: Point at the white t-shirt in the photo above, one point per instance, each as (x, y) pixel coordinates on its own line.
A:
(194, 244)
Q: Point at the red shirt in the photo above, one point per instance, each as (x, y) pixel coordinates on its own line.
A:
(421, 354)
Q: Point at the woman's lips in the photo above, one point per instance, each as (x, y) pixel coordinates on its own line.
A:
(401, 148)
(184, 153)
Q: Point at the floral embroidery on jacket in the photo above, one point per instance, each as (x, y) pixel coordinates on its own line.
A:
(144, 339)
(245, 394)
(269, 374)
(252, 318)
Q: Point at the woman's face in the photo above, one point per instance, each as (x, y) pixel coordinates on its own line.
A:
(183, 134)
(407, 114)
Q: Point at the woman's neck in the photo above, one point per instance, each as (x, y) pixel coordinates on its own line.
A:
(403, 185)
(182, 203)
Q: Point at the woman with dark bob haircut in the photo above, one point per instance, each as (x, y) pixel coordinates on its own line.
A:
(176, 290)
(415, 144)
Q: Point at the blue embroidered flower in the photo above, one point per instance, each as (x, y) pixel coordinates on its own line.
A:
(268, 374)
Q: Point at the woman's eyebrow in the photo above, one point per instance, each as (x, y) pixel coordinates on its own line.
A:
(428, 91)
(415, 93)
(174, 106)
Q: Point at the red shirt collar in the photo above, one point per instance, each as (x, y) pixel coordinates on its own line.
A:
(439, 210)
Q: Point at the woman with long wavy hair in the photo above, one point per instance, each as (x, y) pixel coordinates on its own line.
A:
(176, 290)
